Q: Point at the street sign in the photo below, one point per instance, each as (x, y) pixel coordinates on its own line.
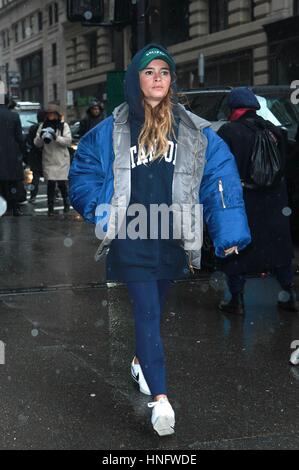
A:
(14, 84)
(14, 79)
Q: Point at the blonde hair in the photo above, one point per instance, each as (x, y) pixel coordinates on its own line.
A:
(157, 128)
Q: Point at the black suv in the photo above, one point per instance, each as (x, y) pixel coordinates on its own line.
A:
(276, 106)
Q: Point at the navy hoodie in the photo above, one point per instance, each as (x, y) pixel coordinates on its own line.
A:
(151, 183)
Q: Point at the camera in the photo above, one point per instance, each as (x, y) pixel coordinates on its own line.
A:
(48, 135)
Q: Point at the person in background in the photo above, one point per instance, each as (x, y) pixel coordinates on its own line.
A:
(152, 151)
(21, 190)
(54, 137)
(34, 155)
(94, 115)
(266, 207)
(12, 150)
(12, 104)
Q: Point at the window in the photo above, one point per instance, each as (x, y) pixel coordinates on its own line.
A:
(4, 40)
(54, 54)
(218, 10)
(31, 24)
(23, 29)
(50, 12)
(36, 65)
(74, 45)
(55, 92)
(16, 30)
(26, 69)
(74, 54)
(169, 21)
(296, 7)
(40, 21)
(234, 69)
(56, 12)
(252, 5)
(92, 43)
(31, 68)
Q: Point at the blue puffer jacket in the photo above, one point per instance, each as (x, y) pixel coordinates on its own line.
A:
(92, 183)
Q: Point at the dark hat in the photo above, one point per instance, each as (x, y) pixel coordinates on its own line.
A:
(243, 97)
(95, 104)
(156, 53)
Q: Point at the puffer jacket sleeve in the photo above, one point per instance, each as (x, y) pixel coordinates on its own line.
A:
(221, 194)
(89, 169)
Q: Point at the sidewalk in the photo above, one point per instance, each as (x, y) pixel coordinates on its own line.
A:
(69, 341)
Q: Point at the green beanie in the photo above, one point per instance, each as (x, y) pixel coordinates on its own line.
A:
(155, 53)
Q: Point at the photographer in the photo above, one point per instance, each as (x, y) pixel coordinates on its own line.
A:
(54, 137)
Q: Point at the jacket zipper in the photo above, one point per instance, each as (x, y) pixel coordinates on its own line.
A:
(221, 193)
(189, 254)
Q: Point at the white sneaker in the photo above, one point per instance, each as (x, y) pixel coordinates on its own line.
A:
(163, 419)
(138, 376)
(294, 359)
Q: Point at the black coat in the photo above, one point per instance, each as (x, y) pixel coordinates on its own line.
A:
(89, 122)
(270, 229)
(12, 146)
(35, 154)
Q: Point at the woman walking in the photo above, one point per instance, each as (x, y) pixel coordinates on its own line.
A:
(153, 152)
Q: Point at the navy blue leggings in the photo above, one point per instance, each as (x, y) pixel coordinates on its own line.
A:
(148, 302)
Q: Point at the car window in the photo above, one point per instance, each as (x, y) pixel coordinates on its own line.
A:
(75, 129)
(224, 111)
(28, 118)
(286, 112)
(205, 105)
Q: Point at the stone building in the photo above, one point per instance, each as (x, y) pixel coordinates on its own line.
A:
(33, 45)
(44, 57)
(240, 42)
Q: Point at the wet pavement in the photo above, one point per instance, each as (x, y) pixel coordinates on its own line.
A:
(69, 340)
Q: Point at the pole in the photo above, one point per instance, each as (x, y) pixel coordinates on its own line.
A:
(201, 69)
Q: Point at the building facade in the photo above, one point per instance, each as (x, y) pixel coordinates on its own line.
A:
(44, 57)
(50, 58)
(234, 36)
(32, 45)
